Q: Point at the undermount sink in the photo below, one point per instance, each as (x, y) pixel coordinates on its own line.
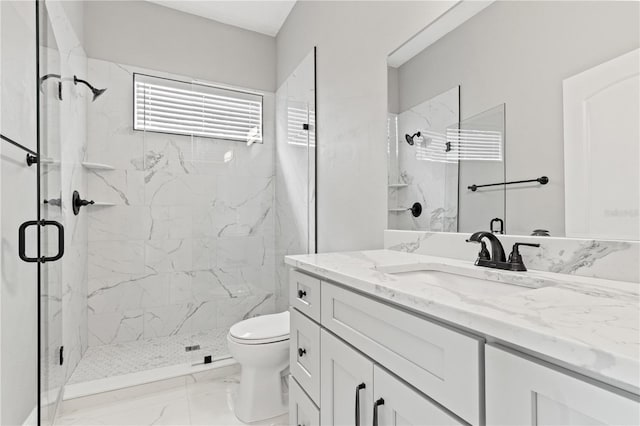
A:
(472, 274)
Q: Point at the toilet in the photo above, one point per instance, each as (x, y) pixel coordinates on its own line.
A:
(261, 347)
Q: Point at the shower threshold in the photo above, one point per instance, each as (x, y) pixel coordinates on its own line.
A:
(116, 366)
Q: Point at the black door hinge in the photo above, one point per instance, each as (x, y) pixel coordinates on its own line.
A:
(61, 355)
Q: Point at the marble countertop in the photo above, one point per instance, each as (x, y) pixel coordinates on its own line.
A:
(589, 324)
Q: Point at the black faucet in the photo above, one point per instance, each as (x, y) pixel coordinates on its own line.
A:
(497, 258)
(497, 251)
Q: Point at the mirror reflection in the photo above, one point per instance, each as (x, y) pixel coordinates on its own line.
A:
(521, 131)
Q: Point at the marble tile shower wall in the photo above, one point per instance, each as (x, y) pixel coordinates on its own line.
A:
(188, 244)
(430, 180)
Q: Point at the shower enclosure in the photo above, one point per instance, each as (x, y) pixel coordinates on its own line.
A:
(179, 236)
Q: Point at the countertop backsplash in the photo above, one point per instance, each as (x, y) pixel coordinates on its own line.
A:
(614, 260)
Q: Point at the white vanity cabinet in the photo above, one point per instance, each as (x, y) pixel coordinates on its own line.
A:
(520, 391)
(358, 361)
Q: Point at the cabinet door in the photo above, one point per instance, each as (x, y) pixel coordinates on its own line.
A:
(523, 392)
(343, 372)
(302, 411)
(397, 404)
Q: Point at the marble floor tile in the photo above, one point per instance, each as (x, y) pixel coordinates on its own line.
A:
(201, 399)
(211, 402)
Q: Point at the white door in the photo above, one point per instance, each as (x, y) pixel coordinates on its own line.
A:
(397, 404)
(522, 392)
(602, 150)
(346, 384)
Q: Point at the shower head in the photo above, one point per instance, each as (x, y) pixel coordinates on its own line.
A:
(96, 92)
(409, 138)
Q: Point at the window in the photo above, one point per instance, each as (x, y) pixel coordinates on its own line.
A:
(460, 144)
(193, 109)
(301, 122)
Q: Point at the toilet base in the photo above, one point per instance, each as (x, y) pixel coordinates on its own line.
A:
(260, 395)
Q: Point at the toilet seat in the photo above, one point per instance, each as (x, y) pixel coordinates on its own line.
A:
(261, 330)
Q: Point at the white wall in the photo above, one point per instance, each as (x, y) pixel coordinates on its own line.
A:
(353, 40)
(156, 37)
(519, 53)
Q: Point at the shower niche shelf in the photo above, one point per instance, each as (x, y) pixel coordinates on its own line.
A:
(97, 166)
(49, 162)
(398, 185)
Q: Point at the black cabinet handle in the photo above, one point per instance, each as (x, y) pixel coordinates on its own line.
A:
(301, 294)
(358, 389)
(376, 404)
(22, 251)
(301, 352)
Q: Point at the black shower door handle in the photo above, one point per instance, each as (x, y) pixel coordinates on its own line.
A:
(22, 251)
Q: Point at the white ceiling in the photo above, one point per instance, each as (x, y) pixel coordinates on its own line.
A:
(264, 16)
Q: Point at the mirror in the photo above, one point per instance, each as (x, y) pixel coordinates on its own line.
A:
(514, 117)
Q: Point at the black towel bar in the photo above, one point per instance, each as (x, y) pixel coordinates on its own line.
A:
(541, 180)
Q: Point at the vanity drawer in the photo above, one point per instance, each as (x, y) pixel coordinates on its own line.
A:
(442, 363)
(304, 354)
(304, 294)
(302, 411)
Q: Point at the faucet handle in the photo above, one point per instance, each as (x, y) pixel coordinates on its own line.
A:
(515, 256)
(484, 253)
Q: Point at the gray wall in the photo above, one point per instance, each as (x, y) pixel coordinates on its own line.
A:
(152, 36)
(353, 39)
(519, 53)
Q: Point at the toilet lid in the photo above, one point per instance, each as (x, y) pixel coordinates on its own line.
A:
(262, 328)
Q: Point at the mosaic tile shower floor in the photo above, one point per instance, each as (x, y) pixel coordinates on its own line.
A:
(118, 359)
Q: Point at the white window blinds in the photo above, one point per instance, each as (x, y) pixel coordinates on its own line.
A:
(301, 124)
(183, 108)
(460, 144)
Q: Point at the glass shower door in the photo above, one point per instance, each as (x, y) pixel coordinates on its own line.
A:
(53, 94)
(18, 203)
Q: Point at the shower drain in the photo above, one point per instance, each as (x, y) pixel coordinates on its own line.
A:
(192, 348)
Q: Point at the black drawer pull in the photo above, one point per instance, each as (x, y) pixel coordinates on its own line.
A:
(301, 352)
(376, 404)
(301, 294)
(358, 389)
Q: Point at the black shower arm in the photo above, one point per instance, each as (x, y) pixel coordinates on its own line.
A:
(77, 80)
